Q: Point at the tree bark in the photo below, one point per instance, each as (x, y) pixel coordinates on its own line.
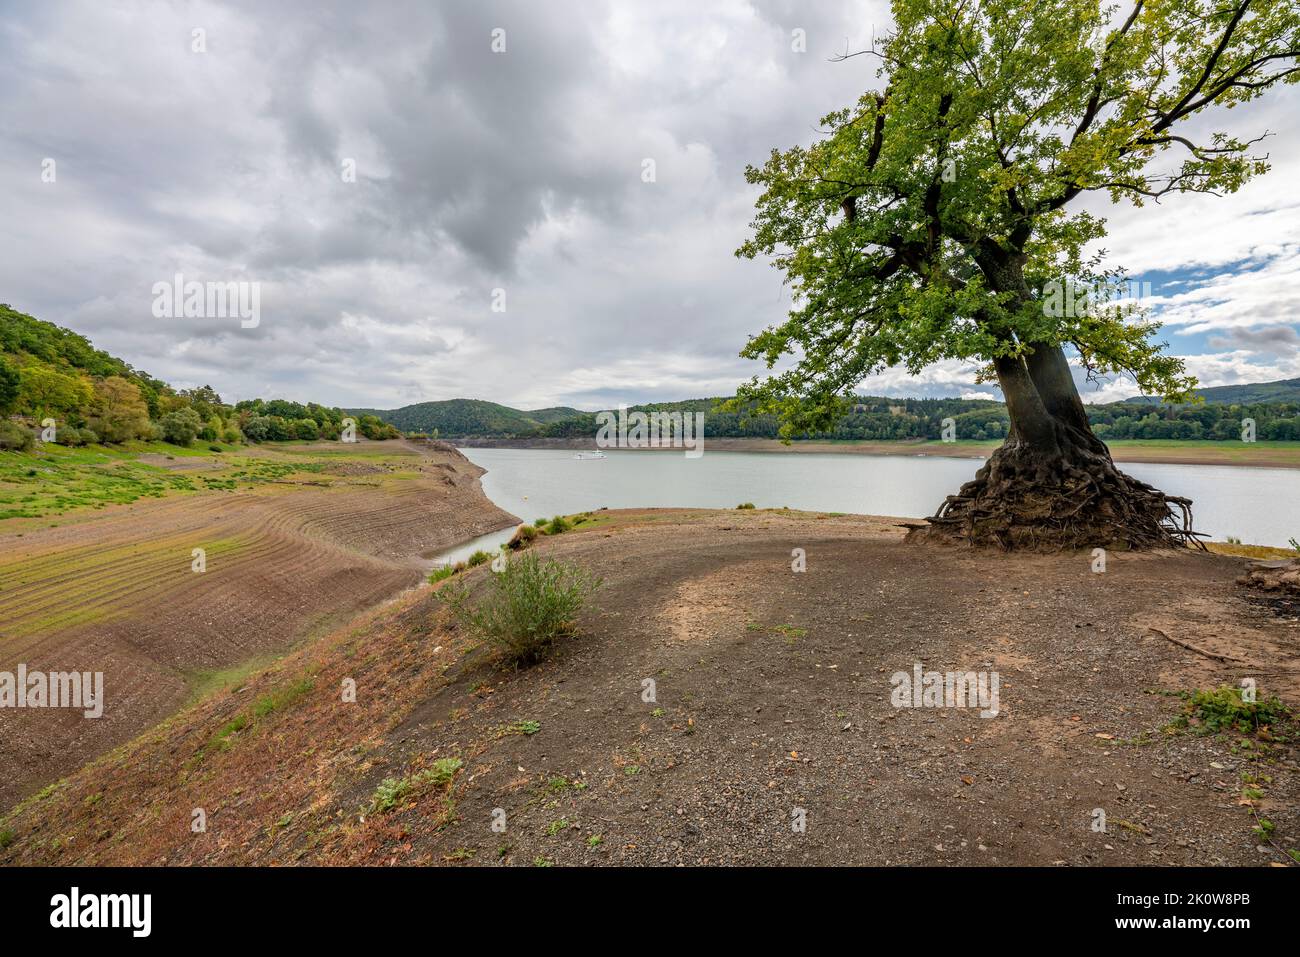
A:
(1052, 483)
(1050, 371)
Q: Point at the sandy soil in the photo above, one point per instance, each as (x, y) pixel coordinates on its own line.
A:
(113, 591)
(772, 697)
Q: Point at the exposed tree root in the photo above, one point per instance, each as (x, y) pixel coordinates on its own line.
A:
(1024, 499)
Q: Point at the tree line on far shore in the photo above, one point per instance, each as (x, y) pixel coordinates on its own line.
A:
(874, 418)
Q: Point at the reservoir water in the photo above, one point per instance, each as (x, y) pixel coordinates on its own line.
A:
(1260, 506)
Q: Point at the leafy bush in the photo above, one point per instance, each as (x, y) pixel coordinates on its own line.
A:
(257, 428)
(307, 429)
(478, 558)
(745, 505)
(16, 438)
(69, 435)
(88, 436)
(558, 526)
(529, 604)
(180, 427)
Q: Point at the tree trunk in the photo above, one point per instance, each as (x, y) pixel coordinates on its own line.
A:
(1052, 483)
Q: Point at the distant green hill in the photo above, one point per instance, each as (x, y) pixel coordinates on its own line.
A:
(1283, 390)
(557, 413)
(470, 417)
(1275, 407)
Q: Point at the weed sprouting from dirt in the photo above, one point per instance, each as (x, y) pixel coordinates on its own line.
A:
(526, 728)
(392, 791)
(1208, 711)
(529, 604)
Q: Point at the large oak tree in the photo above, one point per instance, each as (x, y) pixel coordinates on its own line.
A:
(933, 221)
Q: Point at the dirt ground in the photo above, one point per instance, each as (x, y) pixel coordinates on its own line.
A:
(772, 706)
(114, 591)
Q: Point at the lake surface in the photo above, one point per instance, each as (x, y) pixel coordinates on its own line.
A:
(1259, 506)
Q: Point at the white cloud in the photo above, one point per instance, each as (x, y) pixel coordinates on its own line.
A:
(476, 171)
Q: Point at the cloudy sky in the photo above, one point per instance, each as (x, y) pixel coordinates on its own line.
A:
(478, 171)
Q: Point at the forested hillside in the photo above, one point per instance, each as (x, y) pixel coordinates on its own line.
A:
(875, 418)
(48, 373)
(1252, 393)
(469, 417)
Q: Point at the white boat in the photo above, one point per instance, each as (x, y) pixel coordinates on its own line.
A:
(589, 455)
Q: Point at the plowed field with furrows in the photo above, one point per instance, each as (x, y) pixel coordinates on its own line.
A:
(115, 590)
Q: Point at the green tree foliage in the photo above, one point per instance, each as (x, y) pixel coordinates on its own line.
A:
(931, 220)
(470, 417)
(45, 391)
(15, 437)
(46, 370)
(119, 413)
(181, 426)
(9, 386)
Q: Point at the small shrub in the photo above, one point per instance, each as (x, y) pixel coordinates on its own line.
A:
(16, 438)
(69, 435)
(88, 436)
(744, 505)
(181, 426)
(478, 558)
(6, 838)
(559, 525)
(540, 522)
(528, 605)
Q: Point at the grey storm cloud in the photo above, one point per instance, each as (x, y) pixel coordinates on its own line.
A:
(1270, 339)
(475, 171)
